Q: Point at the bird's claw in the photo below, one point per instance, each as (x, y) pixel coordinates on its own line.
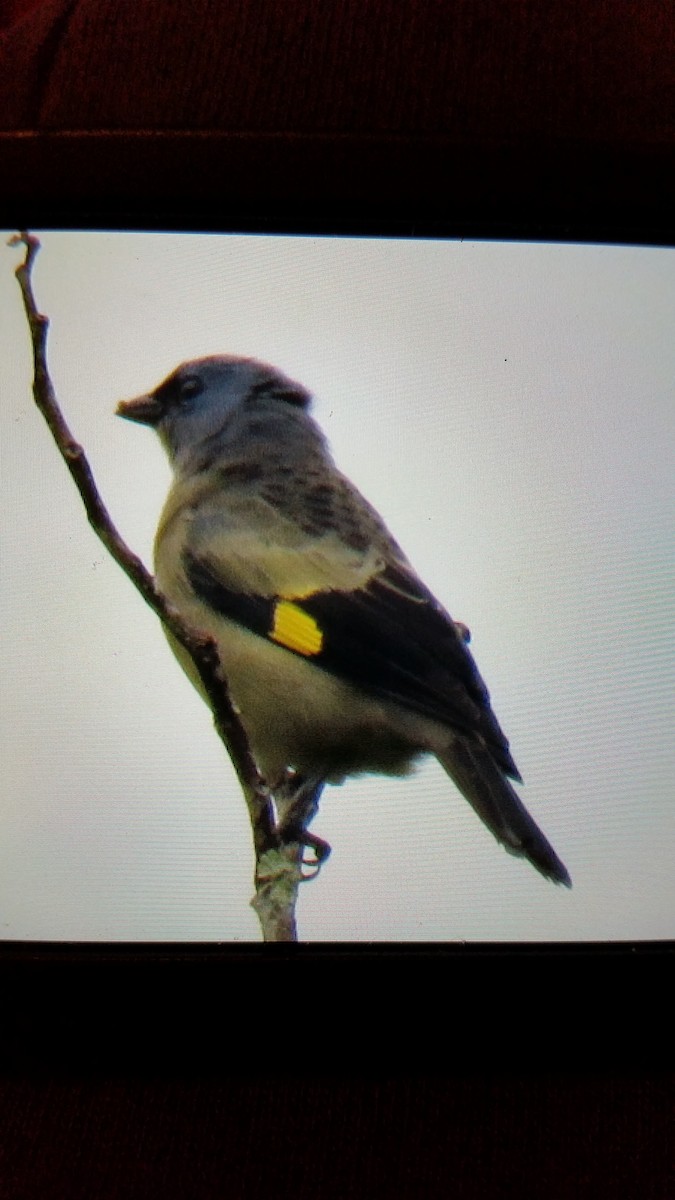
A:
(291, 835)
(321, 850)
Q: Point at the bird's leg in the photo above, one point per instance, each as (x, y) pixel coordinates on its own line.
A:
(297, 803)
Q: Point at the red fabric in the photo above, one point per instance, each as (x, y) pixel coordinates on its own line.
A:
(506, 73)
(469, 1139)
(13, 11)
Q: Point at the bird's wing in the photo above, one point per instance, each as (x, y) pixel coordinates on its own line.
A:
(330, 584)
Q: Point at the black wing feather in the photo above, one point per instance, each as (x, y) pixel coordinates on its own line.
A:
(395, 640)
(392, 638)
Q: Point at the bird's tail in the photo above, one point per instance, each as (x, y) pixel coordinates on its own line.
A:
(478, 777)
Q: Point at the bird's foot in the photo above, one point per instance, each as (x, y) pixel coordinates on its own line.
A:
(321, 849)
(297, 802)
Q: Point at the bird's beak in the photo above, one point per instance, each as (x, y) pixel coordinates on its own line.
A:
(146, 410)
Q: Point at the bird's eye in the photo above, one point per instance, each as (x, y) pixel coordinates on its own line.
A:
(190, 386)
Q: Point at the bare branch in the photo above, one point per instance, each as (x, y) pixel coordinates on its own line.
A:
(278, 864)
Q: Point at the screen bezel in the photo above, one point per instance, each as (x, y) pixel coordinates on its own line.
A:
(64, 999)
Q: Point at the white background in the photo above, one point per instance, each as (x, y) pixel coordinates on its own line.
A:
(510, 409)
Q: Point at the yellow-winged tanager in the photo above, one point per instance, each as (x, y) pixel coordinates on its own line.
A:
(338, 658)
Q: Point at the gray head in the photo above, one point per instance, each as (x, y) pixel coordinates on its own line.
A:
(220, 400)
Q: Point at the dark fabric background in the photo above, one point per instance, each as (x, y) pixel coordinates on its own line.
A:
(496, 73)
(563, 1139)
(549, 110)
(559, 113)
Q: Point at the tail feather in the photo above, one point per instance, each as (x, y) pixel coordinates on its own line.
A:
(478, 777)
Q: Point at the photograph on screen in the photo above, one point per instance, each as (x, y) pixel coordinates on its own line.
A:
(499, 425)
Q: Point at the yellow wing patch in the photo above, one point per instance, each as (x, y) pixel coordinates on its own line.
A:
(295, 629)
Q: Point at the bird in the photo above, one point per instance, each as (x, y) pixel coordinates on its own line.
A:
(339, 660)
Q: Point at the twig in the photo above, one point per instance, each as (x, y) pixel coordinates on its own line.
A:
(278, 865)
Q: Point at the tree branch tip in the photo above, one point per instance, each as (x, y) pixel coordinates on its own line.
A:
(23, 237)
(32, 244)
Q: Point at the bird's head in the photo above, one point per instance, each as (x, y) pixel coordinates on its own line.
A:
(205, 398)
